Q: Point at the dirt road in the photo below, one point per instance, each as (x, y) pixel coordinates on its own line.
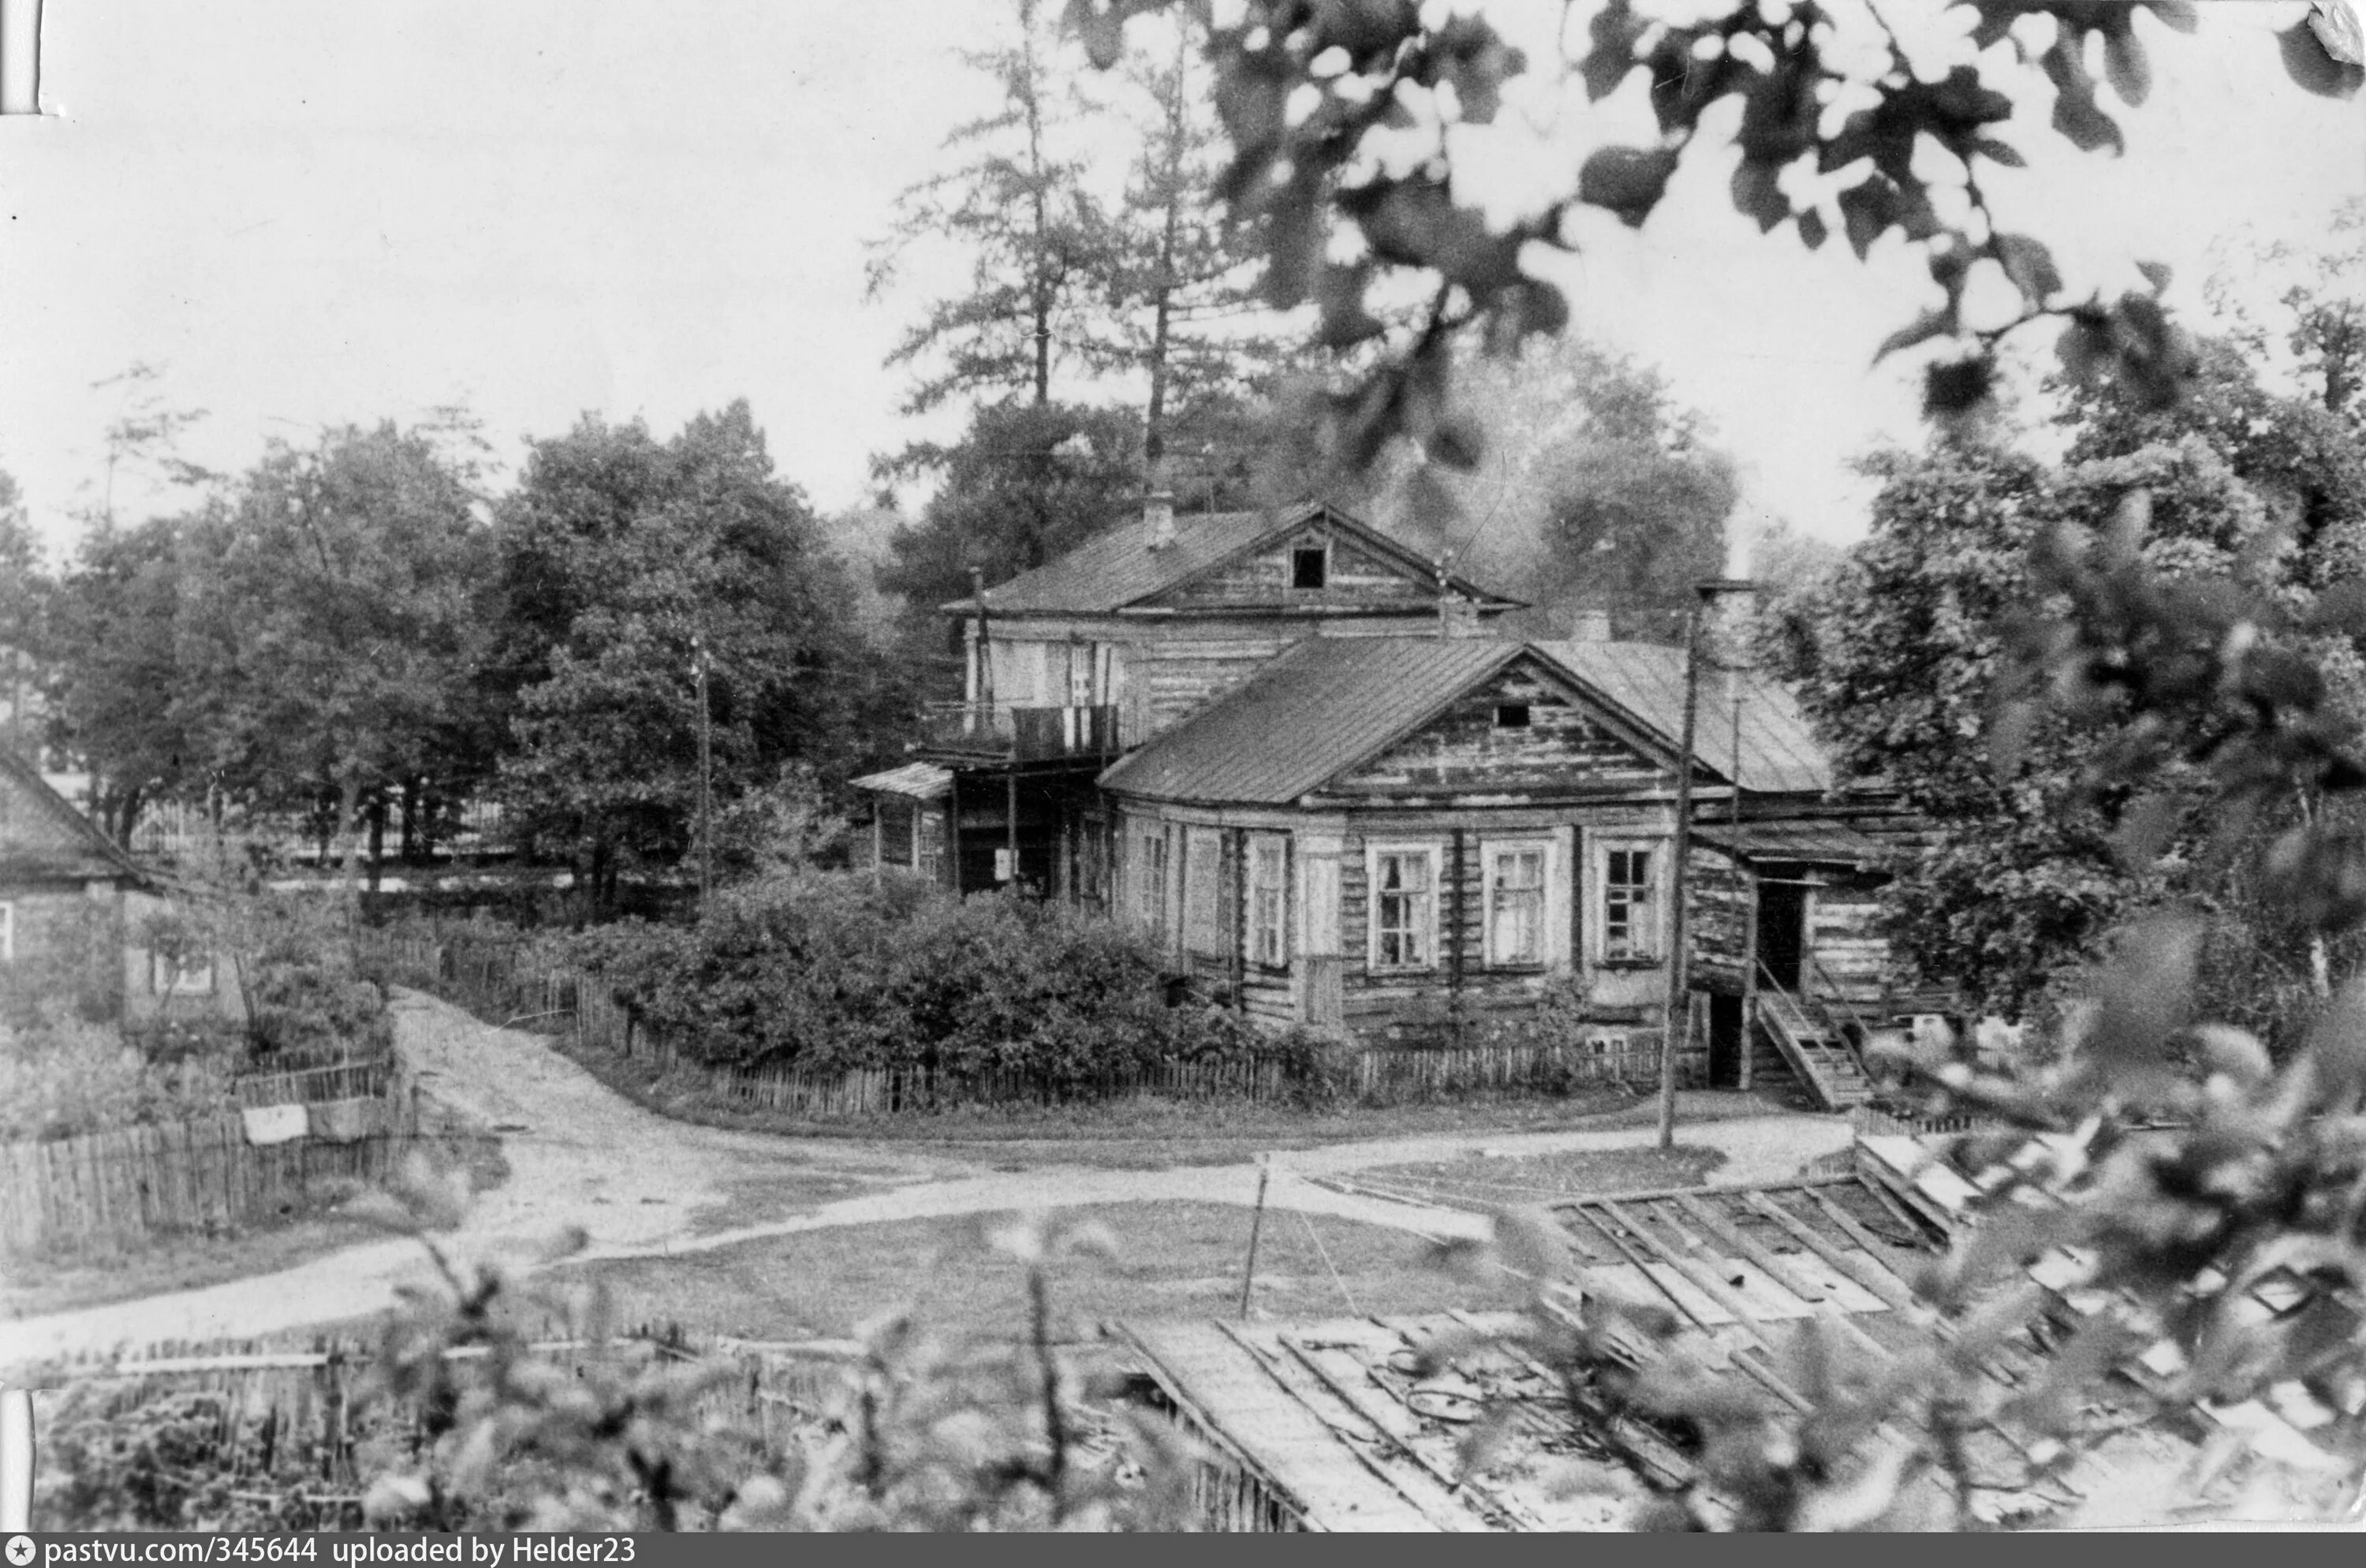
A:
(639, 1184)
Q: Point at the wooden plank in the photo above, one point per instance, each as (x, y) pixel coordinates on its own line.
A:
(1865, 1271)
(1872, 1244)
(1642, 1267)
(1768, 1263)
(1296, 1454)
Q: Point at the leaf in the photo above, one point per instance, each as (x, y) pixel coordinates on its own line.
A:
(2076, 115)
(1930, 324)
(1457, 443)
(1812, 232)
(2125, 66)
(2336, 27)
(2147, 827)
(1614, 31)
(1628, 181)
(2000, 152)
(2156, 274)
(1957, 386)
(2307, 62)
(1756, 196)
(2030, 266)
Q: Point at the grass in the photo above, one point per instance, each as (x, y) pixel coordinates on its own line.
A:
(1544, 1179)
(1171, 1260)
(36, 1287)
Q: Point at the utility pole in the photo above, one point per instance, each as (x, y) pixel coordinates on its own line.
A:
(1679, 1008)
(698, 663)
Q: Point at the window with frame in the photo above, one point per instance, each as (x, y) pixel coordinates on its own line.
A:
(1309, 566)
(1268, 902)
(1630, 903)
(897, 829)
(1149, 883)
(1515, 881)
(186, 975)
(1403, 909)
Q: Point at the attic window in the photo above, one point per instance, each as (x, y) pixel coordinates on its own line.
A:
(1511, 715)
(1309, 564)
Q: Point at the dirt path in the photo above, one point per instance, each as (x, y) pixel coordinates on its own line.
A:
(639, 1184)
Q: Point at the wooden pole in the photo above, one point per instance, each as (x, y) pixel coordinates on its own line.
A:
(1676, 1009)
(16, 1460)
(1256, 1223)
(706, 780)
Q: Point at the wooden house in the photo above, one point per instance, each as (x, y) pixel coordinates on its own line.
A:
(1446, 840)
(76, 914)
(1070, 666)
(1300, 757)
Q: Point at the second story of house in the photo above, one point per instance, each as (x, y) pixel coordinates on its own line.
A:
(1141, 627)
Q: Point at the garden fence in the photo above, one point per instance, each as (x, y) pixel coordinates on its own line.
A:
(490, 979)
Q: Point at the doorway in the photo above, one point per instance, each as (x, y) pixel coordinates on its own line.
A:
(1782, 932)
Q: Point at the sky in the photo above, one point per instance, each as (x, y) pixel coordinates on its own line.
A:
(308, 214)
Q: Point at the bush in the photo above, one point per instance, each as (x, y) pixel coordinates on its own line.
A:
(61, 1075)
(827, 971)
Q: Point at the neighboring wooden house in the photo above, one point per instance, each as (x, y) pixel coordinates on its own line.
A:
(1443, 840)
(1071, 665)
(76, 911)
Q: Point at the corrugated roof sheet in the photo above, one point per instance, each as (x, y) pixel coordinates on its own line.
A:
(1323, 705)
(1778, 754)
(922, 781)
(1111, 571)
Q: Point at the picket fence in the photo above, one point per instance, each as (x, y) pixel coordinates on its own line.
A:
(486, 978)
(266, 1408)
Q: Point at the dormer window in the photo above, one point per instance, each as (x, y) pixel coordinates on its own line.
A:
(1309, 566)
(1511, 715)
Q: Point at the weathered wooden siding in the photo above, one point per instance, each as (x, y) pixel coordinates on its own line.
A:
(1562, 751)
(1354, 577)
(1850, 955)
(1719, 909)
(1171, 678)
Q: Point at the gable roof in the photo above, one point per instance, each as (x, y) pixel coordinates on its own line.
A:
(1116, 570)
(1779, 754)
(42, 836)
(1323, 705)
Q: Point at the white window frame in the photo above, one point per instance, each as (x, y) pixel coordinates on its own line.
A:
(1543, 849)
(1373, 855)
(1268, 879)
(185, 980)
(1598, 902)
(1150, 879)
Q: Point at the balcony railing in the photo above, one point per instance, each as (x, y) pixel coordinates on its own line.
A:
(1015, 732)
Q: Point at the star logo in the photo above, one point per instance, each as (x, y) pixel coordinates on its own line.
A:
(20, 1550)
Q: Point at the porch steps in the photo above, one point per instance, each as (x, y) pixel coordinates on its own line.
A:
(1818, 1053)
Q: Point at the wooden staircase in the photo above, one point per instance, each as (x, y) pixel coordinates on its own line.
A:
(1819, 1052)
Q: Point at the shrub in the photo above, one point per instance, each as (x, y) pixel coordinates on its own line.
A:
(828, 971)
(61, 1075)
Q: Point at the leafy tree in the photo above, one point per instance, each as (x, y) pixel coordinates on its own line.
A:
(327, 630)
(621, 560)
(1597, 492)
(1025, 483)
(118, 696)
(26, 591)
(1040, 245)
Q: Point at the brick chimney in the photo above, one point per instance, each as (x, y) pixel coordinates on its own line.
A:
(1591, 624)
(1158, 515)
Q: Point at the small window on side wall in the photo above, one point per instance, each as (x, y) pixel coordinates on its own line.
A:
(189, 974)
(1511, 715)
(1309, 566)
(1629, 903)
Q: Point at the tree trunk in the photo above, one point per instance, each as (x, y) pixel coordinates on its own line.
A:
(377, 838)
(1153, 438)
(1041, 295)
